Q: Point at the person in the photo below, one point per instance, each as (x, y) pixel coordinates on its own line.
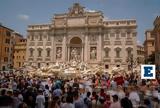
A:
(94, 99)
(30, 97)
(87, 101)
(134, 97)
(78, 103)
(75, 84)
(57, 92)
(115, 103)
(102, 96)
(23, 105)
(40, 99)
(46, 94)
(16, 100)
(147, 103)
(54, 103)
(5, 101)
(68, 103)
(126, 103)
(120, 92)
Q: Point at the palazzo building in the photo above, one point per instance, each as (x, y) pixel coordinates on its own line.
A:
(140, 54)
(149, 45)
(8, 39)
(156, 32)
(81, 35)
(19, 53)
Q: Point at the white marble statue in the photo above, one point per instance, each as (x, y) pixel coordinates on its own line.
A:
(59, 53)
(74, 54)
(93, 53)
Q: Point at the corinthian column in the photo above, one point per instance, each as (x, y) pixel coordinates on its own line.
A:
(86, 48)
(99, 48)
(64, 54)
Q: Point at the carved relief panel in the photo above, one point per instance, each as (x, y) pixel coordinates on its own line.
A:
(93, 38)
(58, 38)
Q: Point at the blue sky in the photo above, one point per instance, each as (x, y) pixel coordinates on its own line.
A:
(17, 14)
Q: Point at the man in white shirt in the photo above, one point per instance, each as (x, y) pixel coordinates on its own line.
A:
(134, 97)
(40, 100)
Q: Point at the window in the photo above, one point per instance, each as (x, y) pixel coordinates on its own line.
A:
(123, 34)
(32, 38)
(107, 52)
(117, 36)
(5, 59)
(7, 41)
(31, 52)
(48, 53)
(128, 35)
(112, 34)
(19, 64)
(117, 65)
(8, 33)
(134, 34)
(39, 53)
(49, 38)
(39, 65)
(47, 64)
(40, 37)
(106, 66)
(106, 37)
(129, 51)
(7, 49)
(118, 52)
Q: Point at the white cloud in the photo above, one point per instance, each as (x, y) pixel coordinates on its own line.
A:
(106, 18)
(23, 17)
(139, 42)
(89, 10)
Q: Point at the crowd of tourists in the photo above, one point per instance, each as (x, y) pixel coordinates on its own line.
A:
(86, 91)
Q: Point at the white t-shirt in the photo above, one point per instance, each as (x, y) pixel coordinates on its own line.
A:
(121, 94)
(134, 97)
(67, 105)
(40, 100)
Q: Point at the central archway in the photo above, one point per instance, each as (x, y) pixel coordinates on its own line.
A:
(75, 49)
(76, 40)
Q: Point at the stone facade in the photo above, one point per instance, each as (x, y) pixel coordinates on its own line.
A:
(8, 38)
(140, 54)
(19, 53)
(149, 44)
(156, 32)
(80, 35)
